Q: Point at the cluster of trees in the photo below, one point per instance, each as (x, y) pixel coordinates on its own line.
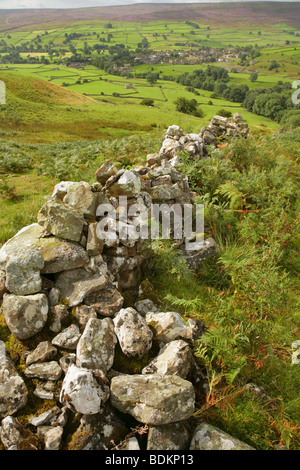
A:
(204, 79)
(214, 79)
(274, 103)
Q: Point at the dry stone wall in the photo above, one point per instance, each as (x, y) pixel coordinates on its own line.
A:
(62, 286)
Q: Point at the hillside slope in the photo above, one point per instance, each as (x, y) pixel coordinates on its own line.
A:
(237, 12)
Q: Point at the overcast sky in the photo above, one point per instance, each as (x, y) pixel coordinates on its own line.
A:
(94, 3)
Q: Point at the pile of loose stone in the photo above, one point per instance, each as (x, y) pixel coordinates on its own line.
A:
(63, 289)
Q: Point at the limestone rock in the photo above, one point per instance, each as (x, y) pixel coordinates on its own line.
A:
(15, 436)
(10, 432)
(106, 170)
(44, 418)
(13, 391)
(43, 352)
(61, 255)
(25, 315)
(175, 358)
(53, 297)
(66, 361)
(77, 284)
(23, 240)
(96, 347)
(134, 336)
(144, 306)
(129, 184)
(153, 399)
(61, 220)
(208, 437)
(81, 197)
(3, 289)
(170, 148)
(167, 326)
(131, 444)
(58, 314)
(83, 313)
(52, 436)
(174, 132)
(48, 390)
(195, 258)
(106, 302)
(165, 192)
(97, 432)
(94, 244)
(68, 338)
(172, 436)
(23, 272)
(44, 370)
(81, 393)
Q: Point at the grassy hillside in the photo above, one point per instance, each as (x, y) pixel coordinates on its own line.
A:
(258, 14)
(39, 111)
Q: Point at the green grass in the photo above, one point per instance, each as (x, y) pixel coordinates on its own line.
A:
(247, 294)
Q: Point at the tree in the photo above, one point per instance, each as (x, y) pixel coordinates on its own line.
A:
(152, 78)
(253, 77)
(186, 106)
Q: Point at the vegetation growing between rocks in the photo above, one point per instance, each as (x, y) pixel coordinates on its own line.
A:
(247, 295)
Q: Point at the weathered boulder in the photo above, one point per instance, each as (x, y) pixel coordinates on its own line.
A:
(96, 347)
(15, 436)
(51, 436)
(167, 326)
(13, 391)
(11, 432)
(170, 147)
(76, 284)
(23, 240)
(144, 306)
(129, 184)
(23, 272)
(68, 338)
(208, 437)
(44, 370)
(48, 390)
(61, 220)
(165, 192)
(174, 132)
(133, 333)
(106, 302)
(83, 313)
(99, 431)
(195, 258)
(105, 171)
(25, 315)
(44, 352)
(44, 418)
(94, 244)
(61, 255)
(81, 197)
(176, 358)
(153, 399)
(173, 436)
(81, 393)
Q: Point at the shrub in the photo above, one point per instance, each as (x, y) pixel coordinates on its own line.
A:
(223, 112)
(147, 102)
